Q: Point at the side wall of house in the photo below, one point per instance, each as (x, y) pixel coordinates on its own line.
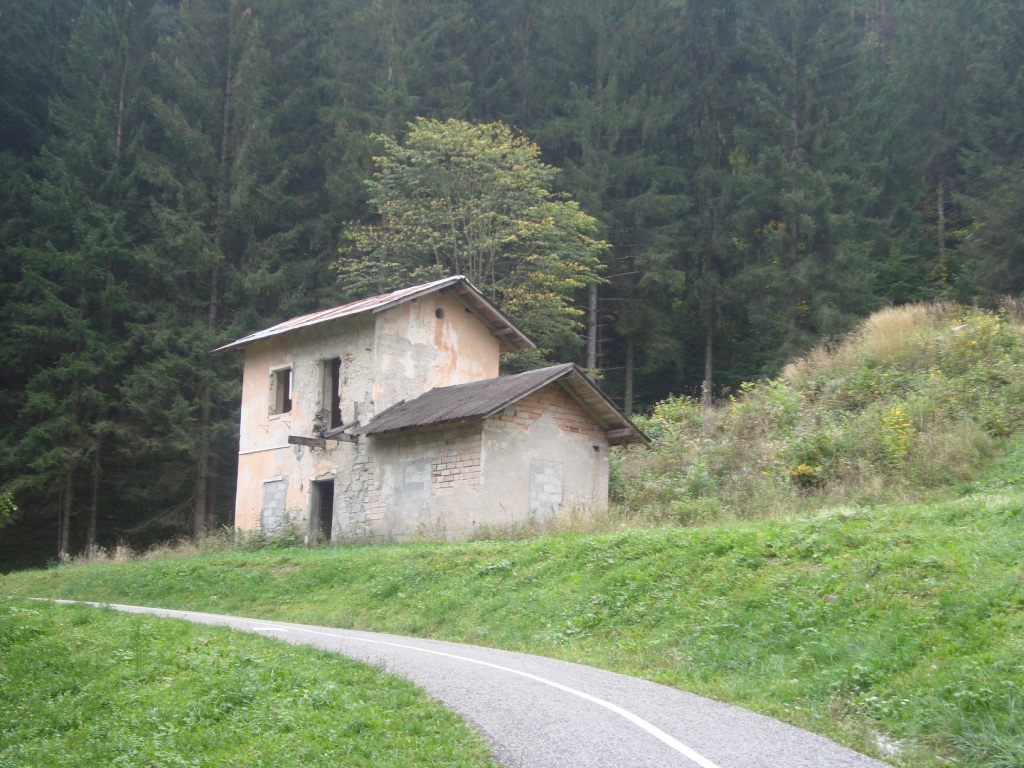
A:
(544, 455)
(273, 474)
(424, 482)
(432, 341)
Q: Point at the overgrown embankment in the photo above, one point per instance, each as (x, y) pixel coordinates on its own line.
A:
(898, 631)
(915, 401)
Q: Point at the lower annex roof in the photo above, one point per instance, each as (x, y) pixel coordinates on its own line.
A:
(483, 399)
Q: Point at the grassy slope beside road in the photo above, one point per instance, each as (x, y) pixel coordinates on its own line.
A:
(85, 687)
(894, 625)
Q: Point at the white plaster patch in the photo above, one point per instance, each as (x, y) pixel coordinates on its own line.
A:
(416, 488)
(272, 516)
(545, 488)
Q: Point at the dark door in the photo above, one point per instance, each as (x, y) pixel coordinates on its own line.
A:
(323, 508)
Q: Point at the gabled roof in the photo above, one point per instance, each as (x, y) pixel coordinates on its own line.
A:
(483, 399)
(511, 337)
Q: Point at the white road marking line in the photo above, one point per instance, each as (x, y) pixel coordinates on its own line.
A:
(652, 729)
(638, 721)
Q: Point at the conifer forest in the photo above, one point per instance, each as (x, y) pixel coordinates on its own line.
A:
(742, 179)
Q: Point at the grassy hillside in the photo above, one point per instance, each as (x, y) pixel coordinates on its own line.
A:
(897, 630)
(915, 401)
(85, 687)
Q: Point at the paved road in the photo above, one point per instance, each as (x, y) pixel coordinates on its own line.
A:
(543, 713)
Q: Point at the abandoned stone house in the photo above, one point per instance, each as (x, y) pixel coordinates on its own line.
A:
(386, 419)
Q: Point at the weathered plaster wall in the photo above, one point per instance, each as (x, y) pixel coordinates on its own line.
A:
(424, 482)
(416, 350)
(396, 355)
(545, 454)
(264, 452)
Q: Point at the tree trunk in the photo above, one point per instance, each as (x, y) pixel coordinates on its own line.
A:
(707, 306)
(627, 400)
(94, 502)
(201, 514)
(211, 489)
(792, 321)
(706, 402)
(941, 222)
(119, 133)
(64, 521)
(200, 511)
(592, 328)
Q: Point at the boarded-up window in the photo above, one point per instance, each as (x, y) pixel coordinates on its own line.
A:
(273, 516)
(416, 488)
(545, 489)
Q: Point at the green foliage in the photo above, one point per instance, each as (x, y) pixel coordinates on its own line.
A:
(914, 400)
(896, 630)
(95, 688)
(459, 198)
(8, 509)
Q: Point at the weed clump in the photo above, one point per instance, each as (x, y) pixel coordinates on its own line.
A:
(915, 399)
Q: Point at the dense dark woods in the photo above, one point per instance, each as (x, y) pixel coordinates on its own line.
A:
(177, 173)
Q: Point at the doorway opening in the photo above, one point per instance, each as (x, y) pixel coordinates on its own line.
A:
(322, 509)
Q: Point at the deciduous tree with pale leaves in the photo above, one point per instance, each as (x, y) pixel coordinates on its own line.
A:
(476, 200)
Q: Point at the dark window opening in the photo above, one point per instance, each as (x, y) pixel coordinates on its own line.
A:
(334, 392)
(323, 508)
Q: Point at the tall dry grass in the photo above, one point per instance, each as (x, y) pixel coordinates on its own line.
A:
(915, 399)
(888, 335)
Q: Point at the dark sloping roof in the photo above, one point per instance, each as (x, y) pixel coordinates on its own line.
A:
(492, 317)
(482, 399)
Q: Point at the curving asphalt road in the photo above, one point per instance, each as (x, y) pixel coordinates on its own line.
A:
(544, 713)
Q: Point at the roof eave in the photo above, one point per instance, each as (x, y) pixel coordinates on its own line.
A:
(612, 413)
(509, 336)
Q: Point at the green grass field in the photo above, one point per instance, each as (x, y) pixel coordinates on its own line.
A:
(90, 687)
(896, 630)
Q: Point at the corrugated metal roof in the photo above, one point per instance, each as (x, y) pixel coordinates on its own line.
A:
(482, 399)
(465, 290)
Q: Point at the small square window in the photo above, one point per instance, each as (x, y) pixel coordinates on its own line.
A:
(281, 391)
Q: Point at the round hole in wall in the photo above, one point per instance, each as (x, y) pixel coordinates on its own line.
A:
(439, 313)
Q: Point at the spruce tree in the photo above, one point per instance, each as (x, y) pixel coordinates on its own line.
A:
(993, 250)
(73, 298)
(806, 189)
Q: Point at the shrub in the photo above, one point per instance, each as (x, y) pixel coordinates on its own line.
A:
(916, 398)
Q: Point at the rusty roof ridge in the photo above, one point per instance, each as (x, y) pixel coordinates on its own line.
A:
(471, 296)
